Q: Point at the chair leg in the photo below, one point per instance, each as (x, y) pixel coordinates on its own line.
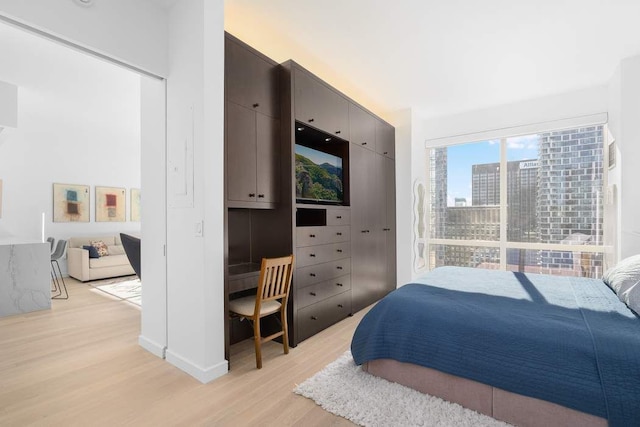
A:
(66, 293)
(285, 330)
(258, 341)
(54, 282)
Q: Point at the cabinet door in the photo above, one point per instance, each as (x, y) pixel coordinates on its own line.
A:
(364, 276)
(362, 127)
(319, 106)
(250, 80)
(268, 158)
(390, 226)
(241, 153)
(385, 139)
(306, 94)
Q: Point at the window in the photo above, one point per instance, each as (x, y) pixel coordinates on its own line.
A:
(529, 203)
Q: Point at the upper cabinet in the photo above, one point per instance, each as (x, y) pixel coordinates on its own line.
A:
(251, 80)
(318, 105)
(252, 127)
(362, 127)
(385, 139)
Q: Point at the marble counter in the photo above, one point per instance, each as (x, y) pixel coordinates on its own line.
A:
(25, 276)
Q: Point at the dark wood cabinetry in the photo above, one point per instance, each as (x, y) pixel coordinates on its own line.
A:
(345, 249)
(322, 281)
(252, 127)
(251, 79)
(362, 127)
(318, 105)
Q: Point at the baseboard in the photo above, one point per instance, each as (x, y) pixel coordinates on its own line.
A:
(204, 375)
(151, 346)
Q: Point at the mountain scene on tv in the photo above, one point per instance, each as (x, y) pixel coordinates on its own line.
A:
(322, 182)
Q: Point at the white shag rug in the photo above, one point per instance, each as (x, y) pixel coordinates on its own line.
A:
(344, 389)
(128, 289)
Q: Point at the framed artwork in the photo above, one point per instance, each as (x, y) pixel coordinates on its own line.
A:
(110, 204)
(70, 203)
(135, 204)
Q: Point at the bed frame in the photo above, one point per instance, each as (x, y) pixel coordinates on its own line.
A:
(502, 405)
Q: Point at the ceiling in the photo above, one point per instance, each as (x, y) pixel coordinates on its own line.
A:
(444, 57)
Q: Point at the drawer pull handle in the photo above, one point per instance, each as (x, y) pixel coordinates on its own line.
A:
(312, 235)
(337, 132)
(339, 217)
(386, 229)
(312, 255)
(252, 194)
(386, 152)
(339, 250)
(313, 294)
(340, 306)
(312, 274)
(310, 120)
(256, 105)
(261, 196)
(339, 233)
(339, 267)
(314, 318)
(364, 143)
(339, 284)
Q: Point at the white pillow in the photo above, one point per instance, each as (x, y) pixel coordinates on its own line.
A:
(623, 275)
(631, 297)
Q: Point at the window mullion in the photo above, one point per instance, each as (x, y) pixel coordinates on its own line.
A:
(503, 204)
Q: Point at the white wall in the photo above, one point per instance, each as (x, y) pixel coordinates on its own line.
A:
(79, 123)
(557, 107)
(195, 156)
(132, 31)
(624, 100)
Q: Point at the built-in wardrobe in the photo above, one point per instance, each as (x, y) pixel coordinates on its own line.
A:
(342, 228)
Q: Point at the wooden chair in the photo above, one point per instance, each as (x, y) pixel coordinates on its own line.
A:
(273, 285)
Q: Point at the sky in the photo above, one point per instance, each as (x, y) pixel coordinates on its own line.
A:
(460, 159)
(318, 157)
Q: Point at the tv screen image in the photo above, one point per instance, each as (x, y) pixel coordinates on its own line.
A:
(318, 176)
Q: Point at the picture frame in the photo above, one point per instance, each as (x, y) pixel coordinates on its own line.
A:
(71, 203)
(110, 204)
(134, 203)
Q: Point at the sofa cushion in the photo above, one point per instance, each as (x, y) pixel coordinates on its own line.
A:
(116, 250)
(101, 247)
(108, 261)
(93, 252)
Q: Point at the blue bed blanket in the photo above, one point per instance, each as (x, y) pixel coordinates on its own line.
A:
(561, 339)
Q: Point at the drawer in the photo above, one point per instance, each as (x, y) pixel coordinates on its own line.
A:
(321, 291)
(338, 217)
(237, 285)
(310, 255)
(316, 317)
(310, 236)
(317, 273)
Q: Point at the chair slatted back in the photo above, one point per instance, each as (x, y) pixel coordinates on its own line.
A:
(275, 278)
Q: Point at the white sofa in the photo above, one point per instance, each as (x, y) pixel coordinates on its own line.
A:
(83, 268)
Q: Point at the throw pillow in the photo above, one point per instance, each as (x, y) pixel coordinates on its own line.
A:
(101, 247)
(116, 250)
(93, 252)
(623, 275)
(631, 297)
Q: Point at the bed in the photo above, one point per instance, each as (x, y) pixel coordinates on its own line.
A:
(527, 349)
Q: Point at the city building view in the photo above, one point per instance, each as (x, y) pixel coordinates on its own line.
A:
(554, 197)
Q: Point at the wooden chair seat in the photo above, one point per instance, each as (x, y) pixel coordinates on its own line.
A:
(246, 306)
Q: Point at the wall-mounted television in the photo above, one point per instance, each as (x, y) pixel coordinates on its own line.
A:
(319, 176)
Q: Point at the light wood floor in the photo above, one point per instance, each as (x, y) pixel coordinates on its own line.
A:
(80, 364)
